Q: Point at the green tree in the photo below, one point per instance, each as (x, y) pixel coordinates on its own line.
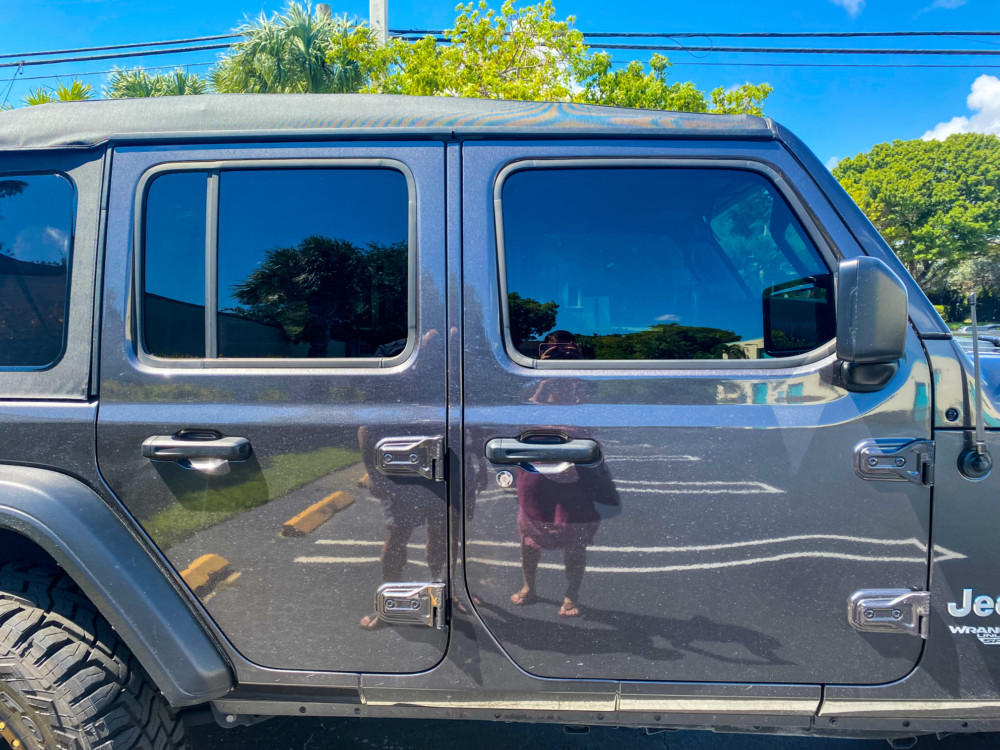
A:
(75, 91)
(937, 203)
(138, 82)
(514, 53)
(529, 317)
(327, 288)
(663, 341)
(635, 86)
(527, 53)
(296, 52)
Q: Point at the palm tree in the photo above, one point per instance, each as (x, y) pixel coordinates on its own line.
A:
(138, 82)
(287, 54)
(77, 91)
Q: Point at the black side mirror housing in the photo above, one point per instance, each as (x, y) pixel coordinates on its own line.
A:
(871, 323)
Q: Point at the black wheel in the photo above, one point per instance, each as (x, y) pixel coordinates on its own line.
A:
(67, 682)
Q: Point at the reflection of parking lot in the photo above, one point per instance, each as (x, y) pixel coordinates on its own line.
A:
(282, 610)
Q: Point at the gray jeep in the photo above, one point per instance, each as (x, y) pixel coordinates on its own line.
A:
(418, 407)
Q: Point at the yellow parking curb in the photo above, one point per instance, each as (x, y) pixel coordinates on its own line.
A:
(204, 573)
(316, 515)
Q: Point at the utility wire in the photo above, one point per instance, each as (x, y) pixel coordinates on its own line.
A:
(106, 72)
(120, 46)
(799, 50)
(772, 50)
(645, 47)
(16, 74)
(740, 35)
(119, 55)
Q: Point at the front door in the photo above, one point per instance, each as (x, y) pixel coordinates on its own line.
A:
(271, 315)
(668, 494)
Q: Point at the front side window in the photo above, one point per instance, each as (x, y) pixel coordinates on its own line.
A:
(623, 263)
(303, 264)
(36, 237)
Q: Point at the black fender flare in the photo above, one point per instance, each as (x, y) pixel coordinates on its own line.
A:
(115, 570)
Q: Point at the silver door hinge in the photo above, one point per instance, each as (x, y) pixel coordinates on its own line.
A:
(423, 456)
(890, 611)
(412, 604)
(895, 460)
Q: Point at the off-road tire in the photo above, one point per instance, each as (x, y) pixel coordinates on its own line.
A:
(67, 682)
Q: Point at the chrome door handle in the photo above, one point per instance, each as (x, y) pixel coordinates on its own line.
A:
(514, 451)
(199, 451)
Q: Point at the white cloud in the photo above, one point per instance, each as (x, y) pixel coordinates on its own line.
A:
(984, 101)
(949, 4)
(832, 162)
(854, 7)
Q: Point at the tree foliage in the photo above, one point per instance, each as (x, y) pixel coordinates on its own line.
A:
(325, 288)
(75, 91)
(663, 341)
(527, 53)
(529, 318)
(514, 53)
(138, 82)
(937, 203)
(296, 52)
(636, 86)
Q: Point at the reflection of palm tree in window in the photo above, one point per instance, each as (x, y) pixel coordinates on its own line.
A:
(324, 288)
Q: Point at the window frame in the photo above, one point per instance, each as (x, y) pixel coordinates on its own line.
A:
(828, 252)
(70, 257)
(213, 169)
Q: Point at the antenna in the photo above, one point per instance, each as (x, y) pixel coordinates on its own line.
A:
(975, 462)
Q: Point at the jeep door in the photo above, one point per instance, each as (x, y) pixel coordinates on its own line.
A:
(660, 483)
(271, 315)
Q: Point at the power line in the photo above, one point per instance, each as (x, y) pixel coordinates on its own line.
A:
(121, 46)
(120, 55)
(771, 50)
(798, 50)
(828, 65)
(106, 72)
(16, 74)
(739, 35)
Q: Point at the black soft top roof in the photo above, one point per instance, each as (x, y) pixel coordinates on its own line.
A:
(215, 116)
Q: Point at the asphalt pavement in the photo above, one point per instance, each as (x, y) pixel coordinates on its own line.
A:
(411, 734)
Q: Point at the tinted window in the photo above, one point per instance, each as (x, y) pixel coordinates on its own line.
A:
(36, 234)
(312, 263)
(174, 265)
(659, 264)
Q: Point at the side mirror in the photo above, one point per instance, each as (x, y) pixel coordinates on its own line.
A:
(871, 323)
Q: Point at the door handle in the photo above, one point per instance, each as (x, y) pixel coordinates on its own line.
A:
(514, 451)
(201, 451)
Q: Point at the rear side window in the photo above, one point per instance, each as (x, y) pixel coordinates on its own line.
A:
(295, 264)
(36, 239)
(644, 263)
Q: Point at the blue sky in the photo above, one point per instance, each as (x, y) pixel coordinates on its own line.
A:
(838, 111)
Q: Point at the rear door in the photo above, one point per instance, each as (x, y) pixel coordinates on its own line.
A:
(271, 315)
(615, 308)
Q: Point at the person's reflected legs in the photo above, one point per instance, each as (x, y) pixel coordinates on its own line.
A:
(530, 557)
(576, 563)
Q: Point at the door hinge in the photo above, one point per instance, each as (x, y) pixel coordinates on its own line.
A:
(890, 611)
(423, 456)
(895, 460)
(412, 604)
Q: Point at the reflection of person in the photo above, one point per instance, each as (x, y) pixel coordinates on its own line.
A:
(557, 504)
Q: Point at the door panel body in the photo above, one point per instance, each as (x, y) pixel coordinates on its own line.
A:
(733, 528)
(284, 550)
